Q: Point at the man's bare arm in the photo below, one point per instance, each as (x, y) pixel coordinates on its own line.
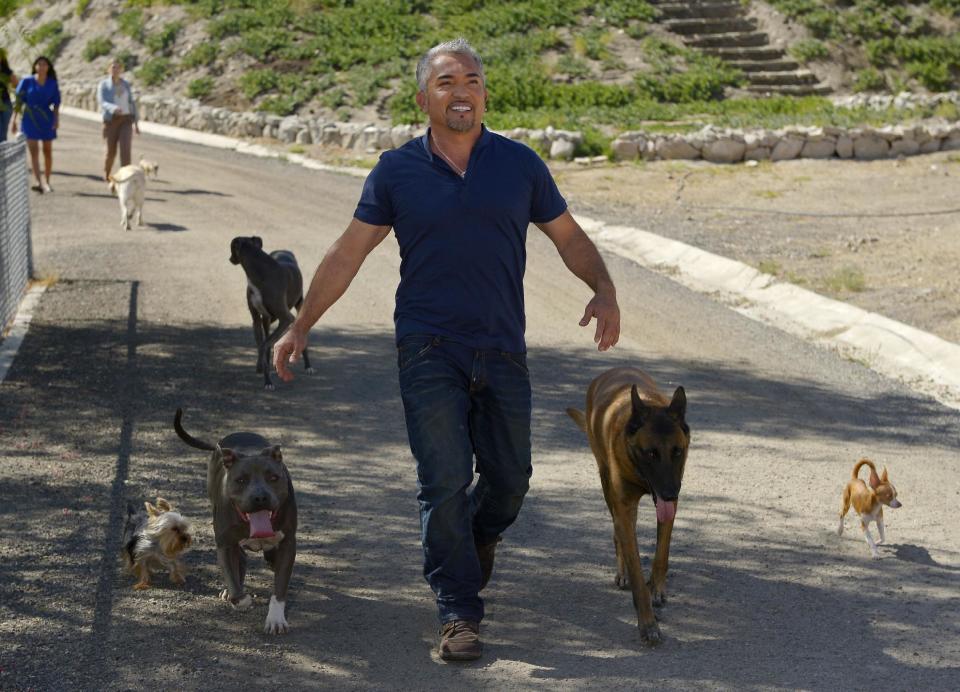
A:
(330, 281)
(584, 261)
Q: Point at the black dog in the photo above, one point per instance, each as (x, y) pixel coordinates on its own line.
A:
(274, 287)
(251, 496)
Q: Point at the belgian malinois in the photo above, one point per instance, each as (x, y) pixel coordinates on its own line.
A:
(640, 441)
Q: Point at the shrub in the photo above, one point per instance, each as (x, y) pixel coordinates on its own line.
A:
(155, 71)
(809, 50)
(45, 32)
(200, 88)
(130, 23)
(202, 54)
(82, 7)
(97, 47)
(869, 79)
(256, 82)
(574, 67)
(127, 59)
(163, 40)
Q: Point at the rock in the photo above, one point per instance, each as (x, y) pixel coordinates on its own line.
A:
(823, 148)
(724, 150)
(904, 147)
(844, 147)
(625, 149)
(786, 149)
(676, 148)
(562, 149)
(868, 147)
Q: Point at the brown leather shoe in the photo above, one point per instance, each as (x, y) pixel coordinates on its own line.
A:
(486, 553)
(460, 641)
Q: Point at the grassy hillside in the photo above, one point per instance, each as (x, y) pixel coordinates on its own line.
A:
(596, 66)
(886, 45)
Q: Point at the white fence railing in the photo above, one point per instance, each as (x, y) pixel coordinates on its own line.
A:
(16, 247)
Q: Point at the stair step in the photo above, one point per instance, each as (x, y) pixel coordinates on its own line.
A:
(790, 89)
(761, 53)
(688, 27)
(721, 9)
(750, 66)
(732, 40)
(782, 78)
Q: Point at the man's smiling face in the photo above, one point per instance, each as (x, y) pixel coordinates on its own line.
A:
(455, 95)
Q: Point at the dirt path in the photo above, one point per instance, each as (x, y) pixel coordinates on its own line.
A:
(764, 595)
(883, 235)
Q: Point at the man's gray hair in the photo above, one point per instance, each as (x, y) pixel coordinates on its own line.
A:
(458, 46)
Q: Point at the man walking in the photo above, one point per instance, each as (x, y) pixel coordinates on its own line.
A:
(460, 199)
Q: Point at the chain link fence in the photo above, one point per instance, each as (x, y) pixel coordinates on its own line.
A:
(16, 247)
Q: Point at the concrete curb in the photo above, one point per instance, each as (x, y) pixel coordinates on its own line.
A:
(924, 362)
(18, 330)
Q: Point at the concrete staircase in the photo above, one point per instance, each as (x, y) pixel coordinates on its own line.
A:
(723, 29)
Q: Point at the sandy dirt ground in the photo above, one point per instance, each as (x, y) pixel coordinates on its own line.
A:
(764, 595)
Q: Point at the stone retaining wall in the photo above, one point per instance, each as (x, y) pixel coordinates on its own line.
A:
(710, 144)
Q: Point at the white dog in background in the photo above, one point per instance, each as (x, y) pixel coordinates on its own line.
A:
(129, 184)
(150, 167)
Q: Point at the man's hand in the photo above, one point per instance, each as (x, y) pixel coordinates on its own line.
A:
(287, 350)
(607, 313)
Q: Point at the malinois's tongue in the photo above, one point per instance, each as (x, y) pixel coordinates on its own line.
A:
(260, 526)
(666, 511)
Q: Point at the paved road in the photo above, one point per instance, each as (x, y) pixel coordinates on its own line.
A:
(763, 593)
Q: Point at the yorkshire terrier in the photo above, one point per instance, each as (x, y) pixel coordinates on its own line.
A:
(155, 540)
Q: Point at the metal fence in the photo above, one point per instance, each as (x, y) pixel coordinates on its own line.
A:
(16, 246)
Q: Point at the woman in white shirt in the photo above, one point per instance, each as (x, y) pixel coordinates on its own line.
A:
(119, 112)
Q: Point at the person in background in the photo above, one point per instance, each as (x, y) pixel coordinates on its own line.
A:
(38, 104)
(119, 112)
(8, 80)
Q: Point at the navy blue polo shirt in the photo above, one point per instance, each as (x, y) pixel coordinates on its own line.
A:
(462, 240)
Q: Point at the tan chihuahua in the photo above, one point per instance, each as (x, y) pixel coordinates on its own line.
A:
(868, 502)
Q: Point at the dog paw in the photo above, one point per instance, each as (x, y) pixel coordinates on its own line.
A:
(658, 598)
(276, 622)
(621, 582)
(876, 555)
(178, 579)
(650, 634)
(268, 387)
(140, 586)
(310, 371)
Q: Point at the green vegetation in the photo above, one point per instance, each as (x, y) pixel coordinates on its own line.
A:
(895, 36)
(127, 59)
(81, 7)
(51, 35)
(131, 23)
(155, 71)
(809, 50)
(162, 41)
(847, 279)
(96, 47)
(200, 88)
(201, 55)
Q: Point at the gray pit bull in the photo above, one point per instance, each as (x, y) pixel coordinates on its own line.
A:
(274, 288)
(251, 496)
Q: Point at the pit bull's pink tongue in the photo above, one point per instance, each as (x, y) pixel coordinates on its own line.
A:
(666, 511)
(260, 526)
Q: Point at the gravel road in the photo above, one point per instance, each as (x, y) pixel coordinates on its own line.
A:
(763, 593)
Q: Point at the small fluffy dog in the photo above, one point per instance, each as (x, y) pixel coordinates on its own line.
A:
(150, 167)
(129, 184)
(154, 540)
(868, 501)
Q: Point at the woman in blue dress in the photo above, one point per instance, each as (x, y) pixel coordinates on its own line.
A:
(38, 104)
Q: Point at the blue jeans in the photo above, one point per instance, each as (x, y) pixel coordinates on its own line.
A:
(462, 403)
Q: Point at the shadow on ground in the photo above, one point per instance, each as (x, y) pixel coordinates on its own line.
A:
(86, 426)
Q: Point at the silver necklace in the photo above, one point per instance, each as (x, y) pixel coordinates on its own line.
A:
(462, 172)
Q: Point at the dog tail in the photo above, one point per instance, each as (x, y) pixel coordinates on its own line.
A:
(187, 437)
(578, 418)
(861, 463)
